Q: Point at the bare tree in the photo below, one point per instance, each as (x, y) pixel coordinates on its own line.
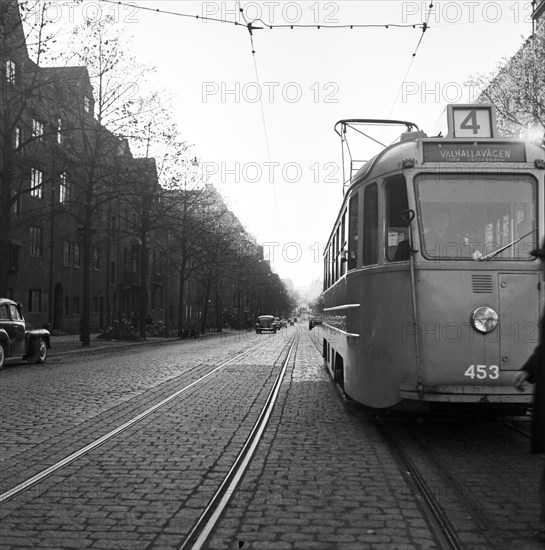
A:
(517, 89)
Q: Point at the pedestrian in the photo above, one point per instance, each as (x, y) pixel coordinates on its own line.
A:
(533, 371)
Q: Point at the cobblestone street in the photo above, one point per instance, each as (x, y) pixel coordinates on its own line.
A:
(321, 477)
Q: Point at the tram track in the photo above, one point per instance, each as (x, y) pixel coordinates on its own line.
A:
(464, 484)
(238, 434)
(443, 530)
(40, 476)
(211, 515)
(466, 476)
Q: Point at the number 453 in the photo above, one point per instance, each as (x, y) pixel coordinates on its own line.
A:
(483, 371)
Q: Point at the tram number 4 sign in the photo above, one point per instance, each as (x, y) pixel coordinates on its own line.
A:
(483, 371)
(476, 122)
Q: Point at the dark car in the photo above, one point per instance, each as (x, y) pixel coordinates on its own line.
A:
(16, 340)
(265, 323)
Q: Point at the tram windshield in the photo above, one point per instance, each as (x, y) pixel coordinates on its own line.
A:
(473, 216)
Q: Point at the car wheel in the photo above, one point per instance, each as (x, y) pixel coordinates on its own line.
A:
(2, 355)
(41, 354)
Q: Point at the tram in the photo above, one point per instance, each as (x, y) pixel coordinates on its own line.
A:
(431, 297)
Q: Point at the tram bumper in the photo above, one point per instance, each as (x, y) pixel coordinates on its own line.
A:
(464, 394)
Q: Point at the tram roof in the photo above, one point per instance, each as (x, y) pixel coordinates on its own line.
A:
(391, 158)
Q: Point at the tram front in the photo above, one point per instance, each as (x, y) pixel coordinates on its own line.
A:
(478, 207)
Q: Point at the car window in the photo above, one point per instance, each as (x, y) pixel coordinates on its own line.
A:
(15, 315)
(4, 312)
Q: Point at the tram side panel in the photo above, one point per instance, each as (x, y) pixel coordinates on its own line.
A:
(378, 352)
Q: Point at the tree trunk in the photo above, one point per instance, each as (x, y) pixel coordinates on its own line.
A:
(143, 283)
(86, 302)
(219, 312)
(207, 289)
(181, 308)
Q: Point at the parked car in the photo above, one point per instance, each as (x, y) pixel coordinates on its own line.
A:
(16, 339)
(265, 323)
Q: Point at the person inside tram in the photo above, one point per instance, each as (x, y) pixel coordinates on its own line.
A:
(439, 238)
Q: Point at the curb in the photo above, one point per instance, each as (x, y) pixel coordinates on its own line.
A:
(124, 345)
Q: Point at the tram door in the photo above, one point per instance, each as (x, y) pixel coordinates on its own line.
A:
(519, 321)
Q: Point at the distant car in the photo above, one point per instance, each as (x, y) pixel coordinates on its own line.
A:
(265, 323)
(277, 323)
(16, 340)
(291, 322)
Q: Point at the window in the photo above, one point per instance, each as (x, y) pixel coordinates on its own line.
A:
(370, 225)
(17, 137)
(66, 254)
(95, 304)
(14, 312)
(75, 304)
(342, 246)
(59, 131)
(36, 183)
(353, 227)
(37, 128)
(13, 260)
(4, 312)
(15, 203)
(34, 301)
(477, 215)
(397, 231)
(77, 255)
(96, 257)
(11, 71)
(36, 241)
(63, 189)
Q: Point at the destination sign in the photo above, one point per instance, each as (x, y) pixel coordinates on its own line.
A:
(474, 152)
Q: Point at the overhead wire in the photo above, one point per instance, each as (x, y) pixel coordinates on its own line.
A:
(263, 119)
(250, 24)
(425, 27)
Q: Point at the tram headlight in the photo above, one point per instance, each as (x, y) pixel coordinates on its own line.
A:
(484, 319)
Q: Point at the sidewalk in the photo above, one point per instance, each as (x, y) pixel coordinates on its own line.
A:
(70, 343)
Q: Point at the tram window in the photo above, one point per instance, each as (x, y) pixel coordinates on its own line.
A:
(480, 214)
(370, 225)
(397, 232)
(336, 256)
(342, 247)
(353, 226)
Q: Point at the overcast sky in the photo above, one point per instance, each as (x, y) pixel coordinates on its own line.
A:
(278, 161)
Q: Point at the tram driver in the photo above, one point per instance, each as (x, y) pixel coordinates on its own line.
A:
(440, 239)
